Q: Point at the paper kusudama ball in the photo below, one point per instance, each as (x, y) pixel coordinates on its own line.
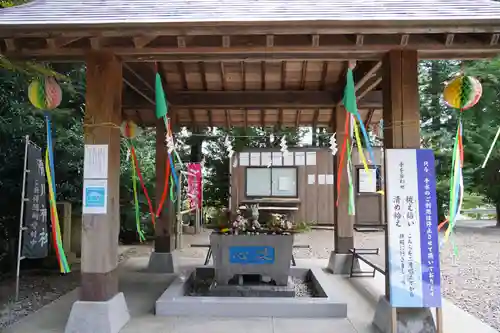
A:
(129, 129)
(45, 94)
(463, 92)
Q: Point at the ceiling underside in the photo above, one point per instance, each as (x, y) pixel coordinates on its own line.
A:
(240, 94)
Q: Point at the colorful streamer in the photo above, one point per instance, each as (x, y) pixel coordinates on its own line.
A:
(342, 156)
(165, 189)
(136, 204)
(56, 230)
(143, 185)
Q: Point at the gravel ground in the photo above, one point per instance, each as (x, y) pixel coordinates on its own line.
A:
(39, 288)
(471, 281)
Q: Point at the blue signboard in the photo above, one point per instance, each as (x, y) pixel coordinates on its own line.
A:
(414, 272)
(95, 197)
(251, 255)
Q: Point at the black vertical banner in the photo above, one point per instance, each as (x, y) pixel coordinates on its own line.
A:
(35, 237)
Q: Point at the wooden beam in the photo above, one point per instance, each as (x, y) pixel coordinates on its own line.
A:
(261, 99)
(297, 119)
(226, 41)
(405, 39)
(210, 121)
(449, 39)
(134, 88)
(55, 43)
(228, 119)
(358, 49)
(142, 41)
(368, 75)
(218, 28)
(201, 67)
(280, 118)
(494, 39)
(369, 117)
(139, 77)
(315, 41)
(181, 42)
(270, 40)
(368, 89)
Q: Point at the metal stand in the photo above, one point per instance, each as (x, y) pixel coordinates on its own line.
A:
(21, 218)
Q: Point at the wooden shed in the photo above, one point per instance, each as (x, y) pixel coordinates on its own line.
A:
(301, 184)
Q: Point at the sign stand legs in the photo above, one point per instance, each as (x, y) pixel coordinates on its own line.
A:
(394, 320)
(21, 218)
(439, 320)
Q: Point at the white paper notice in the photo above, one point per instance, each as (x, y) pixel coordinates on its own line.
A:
(265, 158)
(321, 179)
(311, 179)
(284, 184)
(311, 158)
(329, 179)
(367, 181)
(95, 165)
(300, 158)
(277, 158)
(244, 159)
(288, 159)
(95, 196)
(255, 159)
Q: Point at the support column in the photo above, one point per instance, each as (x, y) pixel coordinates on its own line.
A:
(340, 260)
(161, 260)
(102, 308)
(401, 130)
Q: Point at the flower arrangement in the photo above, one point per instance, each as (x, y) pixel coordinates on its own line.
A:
(237, 224)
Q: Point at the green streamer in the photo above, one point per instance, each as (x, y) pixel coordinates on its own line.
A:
(136, 204)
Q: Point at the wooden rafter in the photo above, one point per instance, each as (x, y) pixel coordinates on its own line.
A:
(134, 88)
(262, 99)
(201, 67)
(210, 120)
(138, 76)
(369, 116)
(135, 45)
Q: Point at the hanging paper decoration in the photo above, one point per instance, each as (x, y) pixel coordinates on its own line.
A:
(130, 130)
(194, 185)
(140, 232)
(284, 146)
(463, 92)
(162, 112)
(354, 122)
(333, 144)
(54, 217)
(45, 93)
(229, 147)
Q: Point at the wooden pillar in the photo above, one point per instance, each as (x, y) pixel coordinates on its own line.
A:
(401, 109)
(163, 229)
(100, 232)
(343, 222)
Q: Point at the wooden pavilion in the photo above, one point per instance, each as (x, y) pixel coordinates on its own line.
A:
(241, 63)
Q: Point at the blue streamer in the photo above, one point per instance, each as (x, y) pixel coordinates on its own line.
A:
(174, 174)
(367, 139)
(51, 153)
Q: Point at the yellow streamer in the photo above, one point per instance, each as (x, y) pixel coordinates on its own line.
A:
(52, 202)
(360, 148)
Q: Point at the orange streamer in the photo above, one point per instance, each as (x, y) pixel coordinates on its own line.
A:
(342, 155)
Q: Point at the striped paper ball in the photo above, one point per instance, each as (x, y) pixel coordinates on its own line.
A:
(45, 94)
(129, 129)
(463, 92)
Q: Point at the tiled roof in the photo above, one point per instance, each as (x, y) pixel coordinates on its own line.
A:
(74, 12)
